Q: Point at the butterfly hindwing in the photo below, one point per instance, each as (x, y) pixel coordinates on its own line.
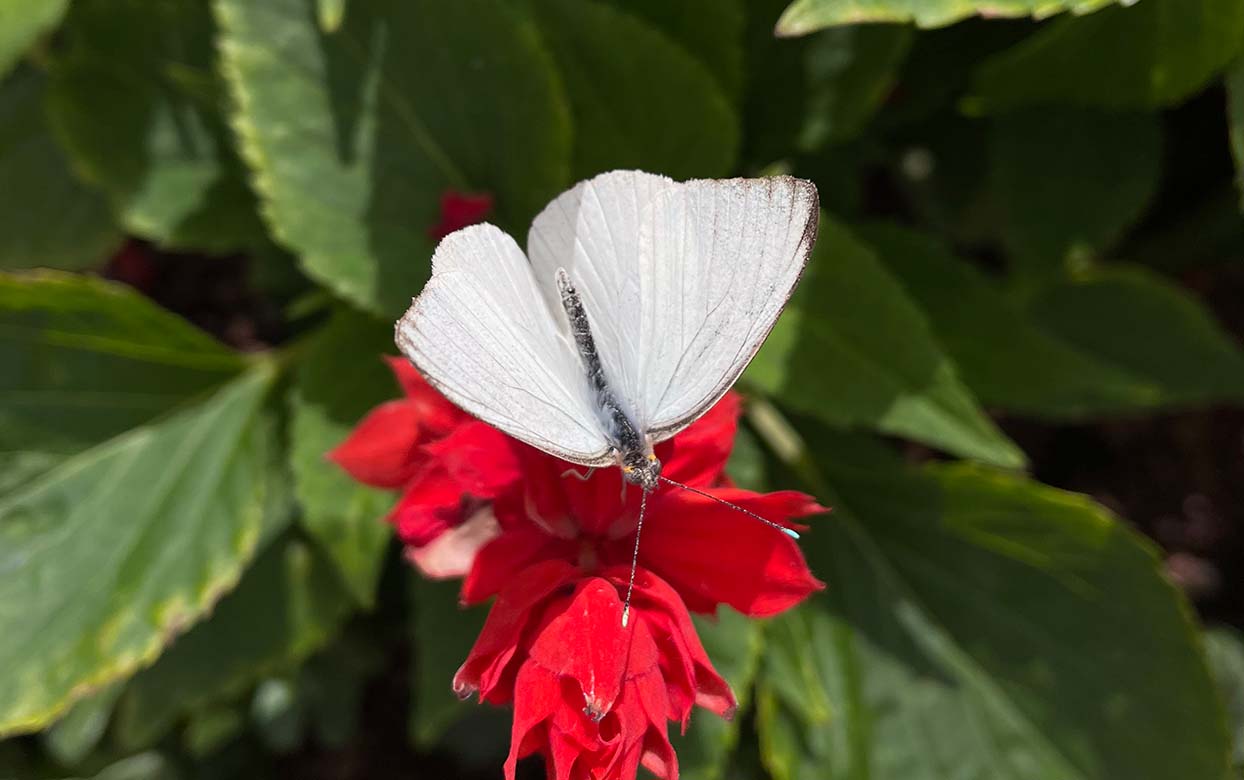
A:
(482, 334)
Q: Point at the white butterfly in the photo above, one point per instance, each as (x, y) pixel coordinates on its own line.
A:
(638, 304)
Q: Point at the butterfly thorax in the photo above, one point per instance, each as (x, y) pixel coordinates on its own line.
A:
(639, 465)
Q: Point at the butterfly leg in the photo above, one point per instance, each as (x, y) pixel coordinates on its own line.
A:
(581, 477)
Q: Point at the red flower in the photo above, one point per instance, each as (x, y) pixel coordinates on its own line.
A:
(459, 209)
(445, 462)
(592, 696)
(589, 694)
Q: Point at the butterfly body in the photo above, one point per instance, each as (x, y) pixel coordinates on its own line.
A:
(631, 447)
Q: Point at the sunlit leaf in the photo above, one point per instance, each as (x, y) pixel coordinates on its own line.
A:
(853, 350)
(1150, 54)
(115, 551)
(982, 626)
(805, 16)
(136, 99)
(22, 22)
(1117, 341)
(341, 378)
(86, 360)
(354, 136)
(286, 607)
(620, 75)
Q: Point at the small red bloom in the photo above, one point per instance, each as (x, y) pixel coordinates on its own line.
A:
(459, 209)
(590, 695)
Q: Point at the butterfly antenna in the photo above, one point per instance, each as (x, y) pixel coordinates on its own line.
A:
(788, 531)
(630, 585)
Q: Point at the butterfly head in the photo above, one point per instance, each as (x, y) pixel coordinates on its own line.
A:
(641, 468)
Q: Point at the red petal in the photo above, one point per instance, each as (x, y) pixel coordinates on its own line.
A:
(503, 628)
(686, 665)
(658, 756)
(438, 414)
(698, 455)
(430, 506)
(537, 699)
(570, 500)
(563, 754)
(459, 209)
(587, 643)
(382, 450)
(712, 552)
(478, 457)
(453, 552)
(501, 559)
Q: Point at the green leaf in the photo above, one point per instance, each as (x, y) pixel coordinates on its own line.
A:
(86, 360)
(1152, 54)
(620, 74)
(330, 14)
(443, 634)
(136, 99)
(1069, 183)
(47, 217)
(1009, 361)
(710, 30)
(775, 90)
(825, 89)
(144, 766)
(734, 644)
(333, 685)
(1235, 116)
(854, 350)
(849, 72)
(979, 625)
(1224, 648)
(277, 717)
(211, 728)
(342, 377)
(72, 738)
(805, 16)
(1114, 341)
(22, 23)
(114, 551)
(1133, 320)
(354, 136)
(286, 607)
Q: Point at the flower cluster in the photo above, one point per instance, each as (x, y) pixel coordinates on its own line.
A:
(553, 546)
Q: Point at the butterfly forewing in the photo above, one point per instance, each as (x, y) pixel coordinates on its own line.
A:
(718, 262)
(593, 232)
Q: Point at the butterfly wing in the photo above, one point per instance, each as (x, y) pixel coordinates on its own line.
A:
(481, 333)
(593, 232)
(718, 261)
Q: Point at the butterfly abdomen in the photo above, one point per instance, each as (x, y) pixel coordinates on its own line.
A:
(627, 440)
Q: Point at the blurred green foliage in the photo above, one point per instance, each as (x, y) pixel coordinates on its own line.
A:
(188, 589)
